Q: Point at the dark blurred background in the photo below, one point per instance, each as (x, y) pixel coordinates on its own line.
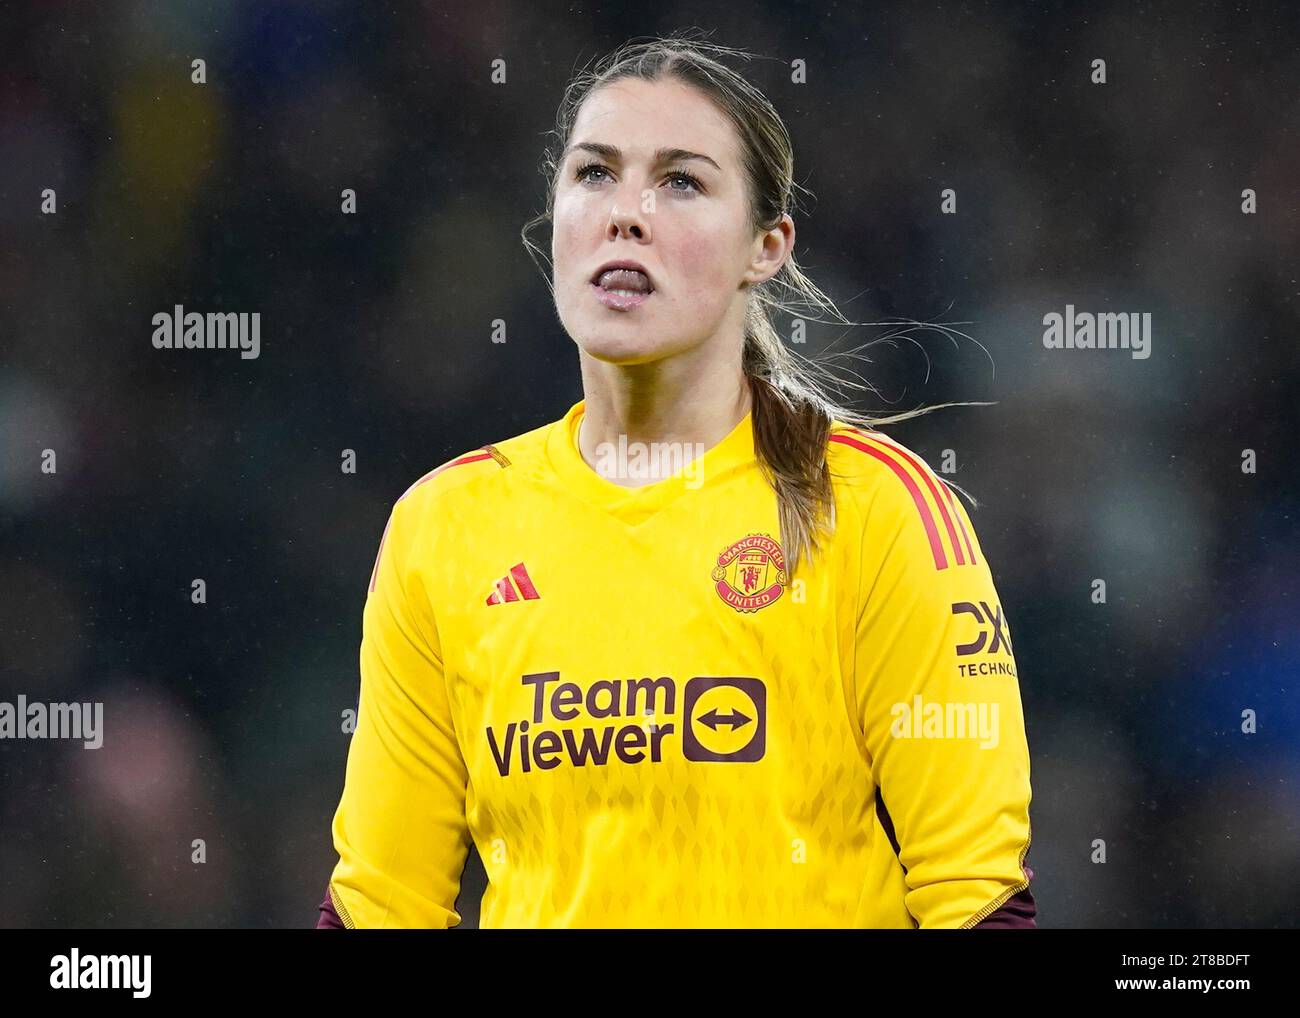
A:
(223, 720)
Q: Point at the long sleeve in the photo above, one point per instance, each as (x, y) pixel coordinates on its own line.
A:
(939, 704)
(400, 828)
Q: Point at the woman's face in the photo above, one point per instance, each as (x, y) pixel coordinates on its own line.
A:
(620, 198)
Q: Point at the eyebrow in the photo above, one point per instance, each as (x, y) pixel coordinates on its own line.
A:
(663, 155)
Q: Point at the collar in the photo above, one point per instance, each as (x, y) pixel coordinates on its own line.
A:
(636, 505)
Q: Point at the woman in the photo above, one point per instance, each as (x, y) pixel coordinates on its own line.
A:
(768, 685)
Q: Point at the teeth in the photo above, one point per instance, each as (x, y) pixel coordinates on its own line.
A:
(626, 293)
(634, 281)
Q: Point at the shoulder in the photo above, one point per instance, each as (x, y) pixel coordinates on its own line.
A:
(475, 471)
(870, 463)
(893, 490)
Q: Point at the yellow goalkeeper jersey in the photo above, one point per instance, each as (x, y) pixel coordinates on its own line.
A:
(623, 698)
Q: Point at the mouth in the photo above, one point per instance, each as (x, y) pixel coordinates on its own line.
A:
(622, 285)
(619, 300)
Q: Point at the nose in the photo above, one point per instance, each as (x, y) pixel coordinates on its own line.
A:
(628, 221)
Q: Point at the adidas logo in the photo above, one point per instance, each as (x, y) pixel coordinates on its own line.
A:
(514, 586)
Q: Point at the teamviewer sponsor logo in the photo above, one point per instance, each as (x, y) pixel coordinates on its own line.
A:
(727, 719)
(629, 721)
(75, 971)
(617, 708)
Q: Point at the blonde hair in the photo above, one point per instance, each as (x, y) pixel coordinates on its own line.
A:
(793, 405)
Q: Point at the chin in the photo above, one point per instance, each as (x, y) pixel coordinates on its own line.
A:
(610, 348)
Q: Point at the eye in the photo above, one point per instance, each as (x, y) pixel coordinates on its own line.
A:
(581, 172)
(688, 177)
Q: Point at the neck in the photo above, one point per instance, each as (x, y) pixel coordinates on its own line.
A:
(695, 401)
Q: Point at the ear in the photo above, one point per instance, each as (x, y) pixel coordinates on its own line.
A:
(772, 248)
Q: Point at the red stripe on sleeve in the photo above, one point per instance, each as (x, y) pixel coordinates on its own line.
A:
(472, 457)
(469, 458)
(965, 534)
(927, 517)
(921, 469)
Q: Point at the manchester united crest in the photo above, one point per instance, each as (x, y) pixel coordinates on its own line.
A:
(750, 574)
